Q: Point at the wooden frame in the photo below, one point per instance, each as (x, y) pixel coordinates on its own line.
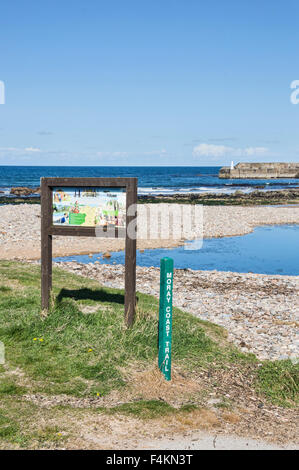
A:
(48, 230)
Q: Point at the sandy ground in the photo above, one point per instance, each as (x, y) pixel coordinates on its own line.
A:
(20, 228)
(196, 439)
(248, 423)
(199, 440)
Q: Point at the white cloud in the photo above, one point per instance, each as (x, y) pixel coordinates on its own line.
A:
(159, 153)
(112, 154)
(32, 149)
(19, 151)
(255, 151)
(218, 151)
(210, 150)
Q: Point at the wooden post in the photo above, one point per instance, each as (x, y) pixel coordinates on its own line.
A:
(46, 244)
(165, 317)
(130, 253)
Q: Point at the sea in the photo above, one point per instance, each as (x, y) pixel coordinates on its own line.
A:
(151, 179)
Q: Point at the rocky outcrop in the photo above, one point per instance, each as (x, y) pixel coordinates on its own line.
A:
(239, 197)
(260, 170)
(24, 191)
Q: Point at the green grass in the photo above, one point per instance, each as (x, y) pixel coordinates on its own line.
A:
(9, 387)
(5, 289)
(24, 425)
(11, 411)
(279, 382)
(55, 350)
(145, 409)
(8, 430)
(82, 354)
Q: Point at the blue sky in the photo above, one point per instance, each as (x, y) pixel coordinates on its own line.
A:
(148, 82)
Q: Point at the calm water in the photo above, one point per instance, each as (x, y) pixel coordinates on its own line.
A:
(151, 180)
(269, 250)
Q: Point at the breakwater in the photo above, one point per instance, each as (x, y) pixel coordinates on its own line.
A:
(260, 170)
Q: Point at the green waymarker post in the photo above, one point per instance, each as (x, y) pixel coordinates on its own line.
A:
(165, 317)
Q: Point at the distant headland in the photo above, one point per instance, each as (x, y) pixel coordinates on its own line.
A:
(260, 170)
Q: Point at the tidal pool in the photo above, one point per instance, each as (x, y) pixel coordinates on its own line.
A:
(270, 249)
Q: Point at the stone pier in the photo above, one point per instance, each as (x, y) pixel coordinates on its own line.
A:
(261, 170)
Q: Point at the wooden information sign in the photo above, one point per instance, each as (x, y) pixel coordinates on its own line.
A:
(90, 207)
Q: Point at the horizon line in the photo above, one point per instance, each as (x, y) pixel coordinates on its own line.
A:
(112, 166)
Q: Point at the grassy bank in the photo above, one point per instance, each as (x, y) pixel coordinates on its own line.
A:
(80, 358)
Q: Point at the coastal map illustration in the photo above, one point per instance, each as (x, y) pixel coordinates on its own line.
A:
(89, 207)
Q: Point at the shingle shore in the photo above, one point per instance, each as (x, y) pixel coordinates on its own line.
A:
(20, 229)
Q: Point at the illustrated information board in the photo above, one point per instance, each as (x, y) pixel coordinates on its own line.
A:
(89, 207)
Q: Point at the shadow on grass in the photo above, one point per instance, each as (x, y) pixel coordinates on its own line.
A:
(98, 295)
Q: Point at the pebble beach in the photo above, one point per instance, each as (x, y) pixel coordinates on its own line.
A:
(20, 229)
